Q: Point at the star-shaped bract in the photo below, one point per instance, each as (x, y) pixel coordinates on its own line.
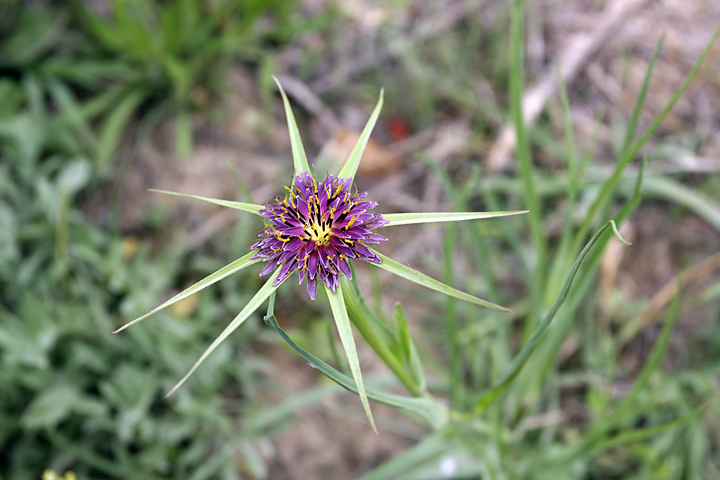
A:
(316, 229)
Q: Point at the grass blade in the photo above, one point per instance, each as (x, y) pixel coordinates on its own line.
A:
(415, 218)
(524, 161)
(640, 103)
(298, 152)
(183, 134)
(611, 184)
(596, 437)
(693, 199)
(501, 385)
(639, 434)
(261, 295)
(421, 279)
(114, 124)
(227, 270)
(337, 304)
(426, 450)
(353, 161)
(408, 348)
(245, 207)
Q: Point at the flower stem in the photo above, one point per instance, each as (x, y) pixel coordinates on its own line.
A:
(358, 312)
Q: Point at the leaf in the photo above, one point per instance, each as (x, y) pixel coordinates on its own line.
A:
(421, 279)
(245, 207)
(610, 185)
(112, 128)
(183, 134)
(636, 435)
(408, 346)
(424, 409)
(227, 270)
(377, 334)
(72, 112)
(501, 385)
(261, 295)
(337, 304)
(395, 219)
(425, 451)
(298, 152)
(50, 407)
(353, 161)
(524, 162)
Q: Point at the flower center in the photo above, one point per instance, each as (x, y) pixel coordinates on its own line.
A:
(318, 232)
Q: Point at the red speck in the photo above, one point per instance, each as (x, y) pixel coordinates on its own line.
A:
(398, 128)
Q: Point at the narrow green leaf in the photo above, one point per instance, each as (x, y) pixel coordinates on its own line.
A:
(625, 409)
(694, 199)
(114, 124)
(611, 184)
(262, 295)
(423, 409)
(245, 207)
(625, 437)
(501, 385)
(421, 279)
(337, 304)
(432, 217)
(597, 436)
(640, 101)
(72, 112)
(426, 450)
(377, 334)
(524, 159)
(183, 134)
(227, 270)
(408, 346)
(353, 161)
(299, 159)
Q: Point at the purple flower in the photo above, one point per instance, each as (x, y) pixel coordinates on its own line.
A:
(315, 229)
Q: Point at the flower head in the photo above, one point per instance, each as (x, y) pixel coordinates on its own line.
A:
(315, 229)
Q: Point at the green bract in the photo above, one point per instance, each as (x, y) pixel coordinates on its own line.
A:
(335, 294)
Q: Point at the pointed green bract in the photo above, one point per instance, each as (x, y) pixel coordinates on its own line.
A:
(394, 219)
(227, 270)
(353, 161)
(421, 279)
(261, 295)
(245, 207)
(298, 152)
(337, 304)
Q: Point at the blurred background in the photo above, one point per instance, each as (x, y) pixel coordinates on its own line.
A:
(101, 100)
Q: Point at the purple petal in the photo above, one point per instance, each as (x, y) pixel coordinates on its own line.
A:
(345, 268)
(312, 288)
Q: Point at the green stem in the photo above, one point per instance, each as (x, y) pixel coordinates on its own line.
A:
(358, 312)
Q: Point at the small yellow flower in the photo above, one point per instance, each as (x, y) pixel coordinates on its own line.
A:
(51, 475)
